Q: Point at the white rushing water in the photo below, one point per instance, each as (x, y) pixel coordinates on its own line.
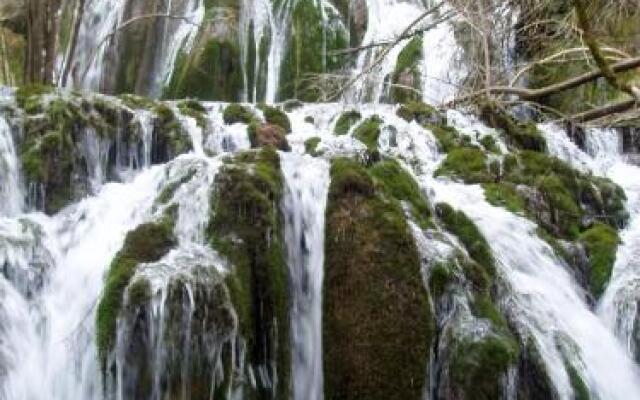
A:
(603, 156)
(55, 333)
(543, 297)
(10, 191)
(305, 198)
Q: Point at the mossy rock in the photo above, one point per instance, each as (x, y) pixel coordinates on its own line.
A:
(447, 136)
(194, 109)
(505, 195)
(267, 135)
(212, 71)
(148, 242)
(398, 184)
(29, 97)
(235, 113)
(481, 273)
(376, 315)
(525, 136)
(467, 163)
(407, 76)
(345, 121)
(601, 244)
(368, 133)
(276, 116)
(311, 145)
(170, 139)
(420, 112)
(246, 227)
(479, 365)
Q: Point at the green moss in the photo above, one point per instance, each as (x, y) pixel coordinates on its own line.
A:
(398, 184)
(348, 178)
(483, 307)
(417, 111)
(580, 388)
(246, 227)
(235, 113)
(276, 116)
(489, 144)
(193, 109)
(373, 294)
(346, 120)
(147, 243)
(169, 133)
(466, 163)
(29, 97)
(504, 195)
(368, 132)
(310, 146)
(211, 72)
(408, 67)
(565, 212)
(467, 232)
(314, 35)
(137, 102)
(441, 275)
(447, 136)
(478, 366)
(601, 244)
(524, 136)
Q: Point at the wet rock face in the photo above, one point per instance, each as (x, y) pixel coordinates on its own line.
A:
(174, 337)
(630, 140)
(265, 134)
(376, 317)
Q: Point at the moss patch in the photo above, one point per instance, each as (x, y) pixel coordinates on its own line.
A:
(235, 112)
(397, 184)
(601, 244)
(376, 313)
(345, 121)
(276, 116)
(310, 146)
(147, 243)
(368, 133)
(524, 136)
(418, 111)
(246, 227)
(467, 163)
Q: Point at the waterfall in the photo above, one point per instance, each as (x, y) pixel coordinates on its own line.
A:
(542, 296)
(53, 336)
(306, 188)
(10, 191)
(98, 37)
(603, 156)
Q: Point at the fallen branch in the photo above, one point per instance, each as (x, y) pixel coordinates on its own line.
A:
(534, 94)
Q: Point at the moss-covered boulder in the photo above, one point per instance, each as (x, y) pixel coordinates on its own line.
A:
(522, 135)
(407, 76)
(376, 314)
(601, 244)
(170, 139)
(235, 113)
(212, 70)
(197, 328)
(345, 121)
(268, 135)
(467, 163)
(276, 116)
(368, 133)
(147, 243)
(311, 146)
(247, 228)
(420, 112)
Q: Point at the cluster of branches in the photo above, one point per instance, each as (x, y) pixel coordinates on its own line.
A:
(487, 81)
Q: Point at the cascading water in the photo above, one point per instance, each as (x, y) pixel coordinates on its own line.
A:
(10, 193)
(306, 189)
(603, 156)
(542, 297)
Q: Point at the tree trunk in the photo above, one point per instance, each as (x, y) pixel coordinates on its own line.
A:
(42, 31)
(68, 62)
